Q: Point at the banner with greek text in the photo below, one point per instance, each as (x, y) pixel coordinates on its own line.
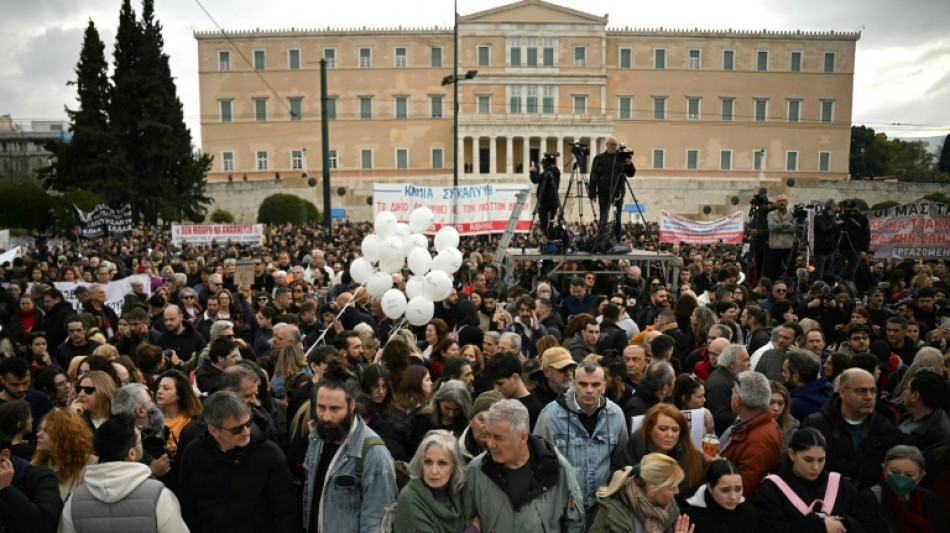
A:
(205, 233)
(480, 209)
(917, 230)
(728, 230)
(115, 291)
(103, 221)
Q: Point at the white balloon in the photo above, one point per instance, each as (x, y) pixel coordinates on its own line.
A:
(379, 283)
(402, 229)
(420, 261)
(392, 267)
(361, 270)
(447, 262)
(390, 249)
(420, 220)
(385, 224)
(447, 237)
(370, 247)
(393, 303)
(419, 240)
(415, 286)
(438, 285)
(419, 311)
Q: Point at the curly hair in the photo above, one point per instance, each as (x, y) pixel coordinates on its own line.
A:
(71, 444)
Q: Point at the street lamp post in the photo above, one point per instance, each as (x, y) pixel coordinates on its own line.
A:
(454, 79)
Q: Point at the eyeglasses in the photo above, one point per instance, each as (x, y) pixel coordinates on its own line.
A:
(187, 297)
(226, 336)
(780, 290)
(861, 391)
(236, 430)
(88, 390)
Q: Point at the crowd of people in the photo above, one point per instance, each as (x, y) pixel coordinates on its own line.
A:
(293, 403)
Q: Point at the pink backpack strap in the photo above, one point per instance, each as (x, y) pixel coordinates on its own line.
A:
(793, 498)
(831, 493)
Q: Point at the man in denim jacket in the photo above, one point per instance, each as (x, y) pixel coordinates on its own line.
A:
(337, 499)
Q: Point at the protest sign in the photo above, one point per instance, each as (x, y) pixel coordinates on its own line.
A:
(728, 230)
(103, 221)
(244, 273)
(916, 231)
(115, 291)
(206, 233)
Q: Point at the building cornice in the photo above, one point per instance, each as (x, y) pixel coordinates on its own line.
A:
(738, 34)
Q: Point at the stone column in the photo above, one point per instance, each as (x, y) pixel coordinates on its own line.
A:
(492, 156)
(525, 153)
(509, 155)
(461, 161)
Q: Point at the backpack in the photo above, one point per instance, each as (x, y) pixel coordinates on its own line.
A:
(827, 503)
(388, 524)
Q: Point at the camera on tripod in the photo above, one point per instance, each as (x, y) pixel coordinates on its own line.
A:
(759, 200)
(800, 213)
(550, 159)
(623, 150)
(578, 149)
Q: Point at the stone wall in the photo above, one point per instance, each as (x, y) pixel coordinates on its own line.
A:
(683, 196)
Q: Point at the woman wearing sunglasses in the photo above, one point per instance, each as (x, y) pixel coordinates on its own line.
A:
(94, 398)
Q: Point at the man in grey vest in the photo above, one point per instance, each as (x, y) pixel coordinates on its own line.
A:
(119, 493)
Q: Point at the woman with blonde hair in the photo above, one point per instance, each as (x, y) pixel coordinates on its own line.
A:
(94, 398)
(108, 351)
(290, 362)
(642, 498)
(64, 444)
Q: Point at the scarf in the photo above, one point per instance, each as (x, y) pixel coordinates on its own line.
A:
(912, 521)
(653, 517)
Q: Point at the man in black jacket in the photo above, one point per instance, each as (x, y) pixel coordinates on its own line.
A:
(612, 336)
(548, 182)
(826, 238)
(29, 495)
(608, 174)
(855, 242)
(54, 322)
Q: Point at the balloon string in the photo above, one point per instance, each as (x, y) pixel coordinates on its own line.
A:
(352, 301)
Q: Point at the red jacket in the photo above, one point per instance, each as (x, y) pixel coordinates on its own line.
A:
(757, 450)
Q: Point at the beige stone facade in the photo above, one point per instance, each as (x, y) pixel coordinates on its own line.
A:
(692, 104)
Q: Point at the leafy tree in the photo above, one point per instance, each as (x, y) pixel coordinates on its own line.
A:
(912, 161)
(939, 197)
(282, 209)
(222, 216)
(313, 214)
(82, 199)
(943, 165)
(30, 208)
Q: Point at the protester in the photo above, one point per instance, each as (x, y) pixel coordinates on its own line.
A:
(64, 445)
(898, 502)
(719, 504)
(642, 498)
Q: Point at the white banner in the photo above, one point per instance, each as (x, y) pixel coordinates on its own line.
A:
(728, 230)
(115, 291)
(481, 209)
(4, 239)
(8, 257)
(205, 233)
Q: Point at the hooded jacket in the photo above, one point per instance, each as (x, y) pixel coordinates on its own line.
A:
(579, 348)
(809, 397)
(710, 517)
(108, 486)
(589, 452)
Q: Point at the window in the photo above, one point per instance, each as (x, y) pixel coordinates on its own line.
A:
(580, 105)
(824, 161)
(260, 109)
(626, 58)
(224, 61)
(296, 159)
(366, 107)
(366, 58)
(401, 106)
(532, 52)
(761, 110)
(692, 159)
(514, 99)
(435, 106)
(758, 157)
(695, 59)
(547, 103)
(829, 62)
(402, 60)
(728, 60)
(791, 161)
(727, 108)
(435, 56)
(438, 158)
(580, 56)
(484, 55)
(795, 63)
(334, 161)
(261, 160)
(762, 60)
(625, 109)
(658, 156)
(484, 104)
(725, 160)
(293, 59)
(402, 158)
(515, 60)
(227, 161)
(659, 108)
(659, 58)
(296, 108)
(366, 159)
(331, 108)
(692, 109)
(548, 52)
(827, 110)
(794, 110)
(224, 110)
(259, 60)
(532, 99)
(330, 55)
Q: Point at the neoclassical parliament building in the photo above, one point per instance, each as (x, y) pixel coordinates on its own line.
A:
(691, 103)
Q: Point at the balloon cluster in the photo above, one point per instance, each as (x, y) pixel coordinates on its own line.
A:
(395, 245)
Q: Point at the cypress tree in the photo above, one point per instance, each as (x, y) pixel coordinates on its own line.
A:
(943, 164)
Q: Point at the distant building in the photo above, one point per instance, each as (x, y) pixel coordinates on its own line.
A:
(691, 103)
(23, 147)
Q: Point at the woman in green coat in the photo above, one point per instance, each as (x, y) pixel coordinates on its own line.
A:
(641, 499)
(431, 501)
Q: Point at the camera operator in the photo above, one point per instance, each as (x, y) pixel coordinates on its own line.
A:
(855, 242)
(548, 182)
(822, 307)
(827, 228)
(759, 229)
(608, 172)
(781, 224)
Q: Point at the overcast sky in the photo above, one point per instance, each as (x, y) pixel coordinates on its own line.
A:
(902, 80)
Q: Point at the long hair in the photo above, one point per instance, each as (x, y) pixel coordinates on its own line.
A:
(71, 441)
(105, 387)
(188, 402)
(705, 319)
(371, 376)
(409, 391)
(289, 362)
(692, 461)
(395, 357)
(778, 388)
(479, 358)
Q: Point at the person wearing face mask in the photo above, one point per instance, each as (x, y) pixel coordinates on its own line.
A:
(898, 504)
(719, 505)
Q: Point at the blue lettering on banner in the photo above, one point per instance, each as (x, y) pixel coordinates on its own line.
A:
(463, 193)
(418, 192)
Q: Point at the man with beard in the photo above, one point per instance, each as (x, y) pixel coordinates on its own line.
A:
(135, 401)
(233, 481)
(618, 390)
(15, 379)
(76, 343)
(347, 465)
(555, 375)
(350, 348)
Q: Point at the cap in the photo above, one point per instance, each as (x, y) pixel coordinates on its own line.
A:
(486, 400)
(559, 359)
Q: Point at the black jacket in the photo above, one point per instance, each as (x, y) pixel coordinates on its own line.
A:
(778, 515)
(719, 398)
(208, 378)
(826, 234)
(603, 169)
(879, 515)
(55, 323)
(31, 504)
(548, 182)
(710, 517)
(861, 466)
(612, 337)
(185, 344)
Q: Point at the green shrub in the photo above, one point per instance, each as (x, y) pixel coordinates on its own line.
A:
(282, 209)
(938, 197)
(884, 205)
(83, 199)
(862, 205)
(26, 206)
(313, 214)
(222, 216)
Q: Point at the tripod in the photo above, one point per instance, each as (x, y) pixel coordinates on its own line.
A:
(579, 180)
(547, 178)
